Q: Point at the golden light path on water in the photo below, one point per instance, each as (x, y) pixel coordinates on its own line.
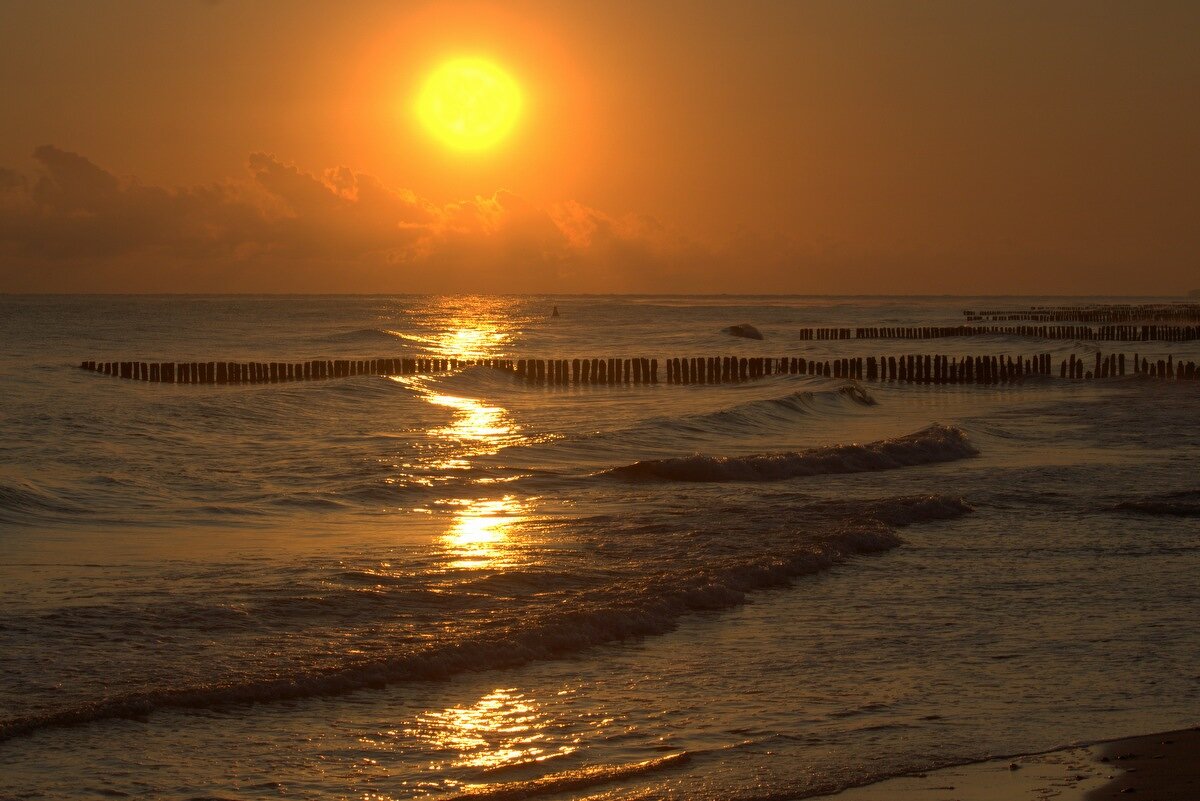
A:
(480, 536)
(467, 327)
(472, 328)
(502, 729)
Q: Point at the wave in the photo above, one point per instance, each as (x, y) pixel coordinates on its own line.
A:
(764, 413)
(858, 394)
(21, 501)
(905, 510)
(937, 443)
(1170, 504)
(365, 335)
(578, 779)
(632, 608)
(754, 417)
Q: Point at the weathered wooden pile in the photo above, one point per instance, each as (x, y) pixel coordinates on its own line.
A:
(911, 368)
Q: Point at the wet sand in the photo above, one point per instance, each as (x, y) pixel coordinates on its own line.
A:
(1153, 767)
(1156, 767)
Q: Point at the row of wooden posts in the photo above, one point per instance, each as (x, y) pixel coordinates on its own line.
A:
(1106, 333)
(1113, 365)
(924, 368)
(273, 372)
(913, 368)
(1103, 313)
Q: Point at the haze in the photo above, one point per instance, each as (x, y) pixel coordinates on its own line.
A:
(799, 147)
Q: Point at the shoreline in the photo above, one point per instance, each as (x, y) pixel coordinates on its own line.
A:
(1162, 766)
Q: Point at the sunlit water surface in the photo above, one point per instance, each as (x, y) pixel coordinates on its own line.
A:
(457, 585)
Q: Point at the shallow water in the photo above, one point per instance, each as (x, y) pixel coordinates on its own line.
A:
(394, 587)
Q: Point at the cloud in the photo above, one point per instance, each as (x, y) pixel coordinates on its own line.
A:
(72, 225)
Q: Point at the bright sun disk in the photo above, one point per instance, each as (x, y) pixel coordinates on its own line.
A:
(469, 104)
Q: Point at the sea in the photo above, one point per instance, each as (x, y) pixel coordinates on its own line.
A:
(458, 585)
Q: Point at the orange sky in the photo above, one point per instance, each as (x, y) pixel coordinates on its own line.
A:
(825, 147)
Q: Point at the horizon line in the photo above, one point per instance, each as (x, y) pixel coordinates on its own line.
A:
(1185, 296)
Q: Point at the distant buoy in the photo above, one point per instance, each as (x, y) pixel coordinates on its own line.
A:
(555, 313)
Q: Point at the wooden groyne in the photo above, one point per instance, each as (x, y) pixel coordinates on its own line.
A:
(912, 369)
(275, 372)
(1107, 333)
(1095, 313)
(923, 368)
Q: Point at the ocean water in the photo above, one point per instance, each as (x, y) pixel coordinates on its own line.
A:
(460, 586)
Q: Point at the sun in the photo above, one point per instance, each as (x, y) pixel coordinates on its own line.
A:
(469, 104)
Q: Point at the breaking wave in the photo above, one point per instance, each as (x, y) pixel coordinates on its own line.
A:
(578, 779)
(768, 412)
(937, 443)
(632, 607)
(1170, 504)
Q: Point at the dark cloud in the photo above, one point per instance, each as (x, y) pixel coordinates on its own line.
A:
(74, 225)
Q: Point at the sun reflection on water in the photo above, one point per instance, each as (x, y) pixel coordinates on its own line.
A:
(479, 426)
(474, 327)
(468, 327)
(480, 536)
(503, 729)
